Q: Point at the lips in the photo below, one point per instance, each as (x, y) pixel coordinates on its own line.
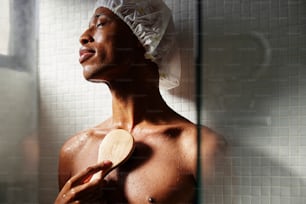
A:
(85, 54)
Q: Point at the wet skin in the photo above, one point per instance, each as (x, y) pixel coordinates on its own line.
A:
(162, 168)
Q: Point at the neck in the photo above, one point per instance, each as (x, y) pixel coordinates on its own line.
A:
(133, 103)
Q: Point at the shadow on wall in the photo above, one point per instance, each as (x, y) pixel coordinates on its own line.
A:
(256, 103)
(229, 61)
(219, 51)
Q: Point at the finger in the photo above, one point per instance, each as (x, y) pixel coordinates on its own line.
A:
(84, 191)
(106, 166)
(80, 177)
(88, 172)
(64, 197)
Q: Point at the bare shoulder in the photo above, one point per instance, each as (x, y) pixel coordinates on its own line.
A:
(76, 149)
(212, 142)
(213, 146)
(74, 142)
(66, 156)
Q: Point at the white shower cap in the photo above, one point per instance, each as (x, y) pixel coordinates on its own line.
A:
(151, 21)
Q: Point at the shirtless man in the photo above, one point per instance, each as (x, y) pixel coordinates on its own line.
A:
(162, 168)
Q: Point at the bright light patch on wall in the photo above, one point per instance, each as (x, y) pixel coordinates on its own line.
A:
(4, 26)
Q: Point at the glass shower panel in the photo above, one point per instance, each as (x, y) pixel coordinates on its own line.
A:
(253, 88)
(18, 103)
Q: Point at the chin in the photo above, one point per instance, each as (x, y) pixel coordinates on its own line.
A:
(89, 73)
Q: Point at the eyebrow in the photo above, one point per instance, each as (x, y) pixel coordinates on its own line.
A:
(96, 16)
(100, 14)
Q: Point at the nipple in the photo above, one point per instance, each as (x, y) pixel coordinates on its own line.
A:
(151, 200)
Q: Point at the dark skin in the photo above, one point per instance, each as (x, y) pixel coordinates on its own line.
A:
(162, 169)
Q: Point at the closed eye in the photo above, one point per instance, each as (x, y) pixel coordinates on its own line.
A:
(100, 24)
(102, 20)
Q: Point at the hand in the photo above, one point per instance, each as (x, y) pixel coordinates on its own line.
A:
(80, 189)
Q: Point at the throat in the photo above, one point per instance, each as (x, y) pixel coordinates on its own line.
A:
(129, 113)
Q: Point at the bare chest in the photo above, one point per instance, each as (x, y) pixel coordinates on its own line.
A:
(159, 179)
(154, 174)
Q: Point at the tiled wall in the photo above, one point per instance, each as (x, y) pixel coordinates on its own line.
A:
(254, 93)
(254, 82)
(68, 103)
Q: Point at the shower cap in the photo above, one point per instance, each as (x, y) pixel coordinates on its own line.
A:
(151, 21)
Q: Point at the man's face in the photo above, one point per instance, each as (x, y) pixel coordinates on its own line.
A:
(108, 47)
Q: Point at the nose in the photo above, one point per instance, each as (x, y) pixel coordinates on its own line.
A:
(86, 38)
